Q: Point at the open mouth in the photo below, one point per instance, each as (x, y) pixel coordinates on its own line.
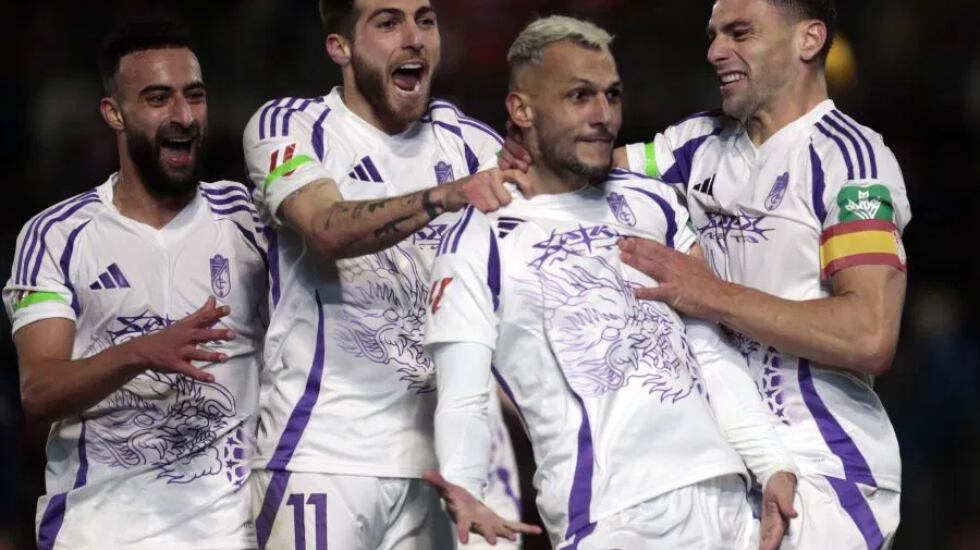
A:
(178, 150)
(407, 77)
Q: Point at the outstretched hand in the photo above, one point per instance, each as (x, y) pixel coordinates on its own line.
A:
(173, 348)
(470, 514)
(777, 509)
(686, 283)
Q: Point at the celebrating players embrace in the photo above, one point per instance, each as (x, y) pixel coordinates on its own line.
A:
(687, 328)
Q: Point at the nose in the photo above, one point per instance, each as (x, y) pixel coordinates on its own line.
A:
(180, 111)
(412, 36)
(718, 51)
(601, 111)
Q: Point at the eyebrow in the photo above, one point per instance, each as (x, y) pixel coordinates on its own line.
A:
(592, 84)
(730, 26)
(165, 88)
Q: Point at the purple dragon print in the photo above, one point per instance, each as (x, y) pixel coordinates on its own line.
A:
(601, 334)
(383, 316)
(165, 421)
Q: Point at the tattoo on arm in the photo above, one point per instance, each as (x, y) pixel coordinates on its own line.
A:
(390, 228)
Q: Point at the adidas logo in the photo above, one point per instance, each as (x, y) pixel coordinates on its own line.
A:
(506, 225)
(366, 171)
(111, 278)
(707, 186)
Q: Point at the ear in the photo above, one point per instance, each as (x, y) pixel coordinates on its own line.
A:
(111, 114)
(339, 49)
(519, 109)
(813, 36)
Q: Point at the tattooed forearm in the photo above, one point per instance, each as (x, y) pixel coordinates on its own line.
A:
(390, 228)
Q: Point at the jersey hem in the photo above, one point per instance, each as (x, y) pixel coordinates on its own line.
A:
(360, 470)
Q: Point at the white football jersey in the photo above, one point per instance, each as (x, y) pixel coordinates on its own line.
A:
(348, 388)
(822, 194)
(160, 463)
(606, 384)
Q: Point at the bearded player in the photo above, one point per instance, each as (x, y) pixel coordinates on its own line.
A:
(151, 402)
(352, 184)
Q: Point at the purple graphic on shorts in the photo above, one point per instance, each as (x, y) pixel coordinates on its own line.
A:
(583, 242)
(383, 314)
(604, 337)
(165, 421)
(768, 378)
(621, 209)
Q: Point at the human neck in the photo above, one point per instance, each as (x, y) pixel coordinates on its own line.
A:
(356, 103)
(789, 105)
(547, 181)
(133, 201)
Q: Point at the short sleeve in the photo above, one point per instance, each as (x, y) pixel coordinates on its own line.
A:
(669, 156)
(39, 287)
(465, 283)
(285, 147)
(859, 196)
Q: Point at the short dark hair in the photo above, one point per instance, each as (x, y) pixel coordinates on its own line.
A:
(822, 10)
(339, 16)
(137, 37)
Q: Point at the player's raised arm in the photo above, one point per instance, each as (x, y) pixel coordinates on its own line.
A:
(55, 386)
(863, 262)
(340, 229)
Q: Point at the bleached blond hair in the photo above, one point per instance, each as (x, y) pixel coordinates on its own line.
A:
(529, 46)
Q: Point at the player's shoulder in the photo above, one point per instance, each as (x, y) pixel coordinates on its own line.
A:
(702, 124)
(64, 216)
(283, 117)
(445, 114)
(640, 187)
(840, 143)
(229, 199)
(466, 234)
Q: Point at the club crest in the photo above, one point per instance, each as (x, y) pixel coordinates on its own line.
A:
(777, 193)
(220, 276)
(621, 209)
(444, 172)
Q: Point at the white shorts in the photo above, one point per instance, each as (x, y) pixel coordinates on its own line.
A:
(711, 515)
(842, 515)
(300, 511)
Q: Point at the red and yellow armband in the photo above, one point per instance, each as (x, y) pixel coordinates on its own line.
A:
(866, 242)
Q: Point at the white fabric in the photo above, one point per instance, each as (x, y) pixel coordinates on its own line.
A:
(759, 213)
(354, 513)
(710, 515)
(462, 428)
(744, 419)
(362, 402)
(603, 381)
(828, 521)
(160, 462)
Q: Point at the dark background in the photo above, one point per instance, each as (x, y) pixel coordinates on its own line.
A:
(914, 76)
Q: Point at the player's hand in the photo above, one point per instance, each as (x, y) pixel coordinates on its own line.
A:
(514, 155)
(777, 509)
(173, 348)
(484, 190)
(470, 514)
(686, 282)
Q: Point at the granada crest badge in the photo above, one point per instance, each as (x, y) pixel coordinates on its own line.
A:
(621, 209)
(444, 172)
(220, 276)
(777, 193)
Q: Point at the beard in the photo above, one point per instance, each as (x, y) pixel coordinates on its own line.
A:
(561, 159)
(158, 180)
(371, 83)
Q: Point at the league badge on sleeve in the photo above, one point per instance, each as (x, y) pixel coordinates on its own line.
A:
(220, 276)
(444, 172)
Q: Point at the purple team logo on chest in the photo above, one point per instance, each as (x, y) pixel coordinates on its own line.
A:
(220, 276)
(444, 172)
(777, 193)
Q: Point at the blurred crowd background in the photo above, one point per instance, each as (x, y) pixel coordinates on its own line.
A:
(908, 68)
